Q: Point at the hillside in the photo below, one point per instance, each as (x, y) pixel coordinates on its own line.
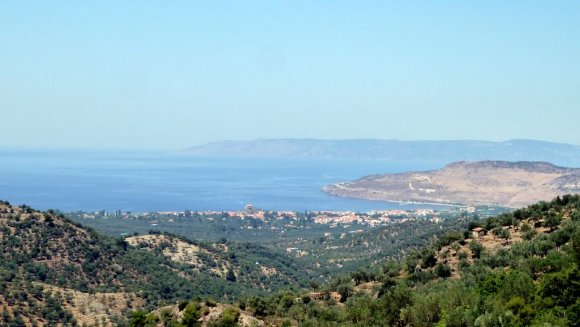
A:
(509, 184)
(249, 267)
(396, 151)
(51, 268)
(320, 244)
(55, 271)
(515, 269)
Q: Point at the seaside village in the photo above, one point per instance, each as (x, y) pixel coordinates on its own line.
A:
(330, 218)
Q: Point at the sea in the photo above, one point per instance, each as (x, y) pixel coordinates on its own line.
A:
(158, 181)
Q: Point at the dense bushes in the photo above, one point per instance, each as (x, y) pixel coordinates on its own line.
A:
(533, 282)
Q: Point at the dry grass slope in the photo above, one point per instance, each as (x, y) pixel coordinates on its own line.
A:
(509, 184)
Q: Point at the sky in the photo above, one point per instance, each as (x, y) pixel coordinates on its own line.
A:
(172, 74)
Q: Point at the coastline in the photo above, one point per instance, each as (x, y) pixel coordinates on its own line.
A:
(400, 202)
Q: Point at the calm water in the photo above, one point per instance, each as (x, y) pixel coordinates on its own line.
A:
(157, 181)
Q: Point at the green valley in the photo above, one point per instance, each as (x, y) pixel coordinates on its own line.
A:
(516, 268)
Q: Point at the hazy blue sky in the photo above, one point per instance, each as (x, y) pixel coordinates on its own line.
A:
(170, 74)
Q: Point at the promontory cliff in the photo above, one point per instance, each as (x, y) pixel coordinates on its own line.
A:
(502, 183)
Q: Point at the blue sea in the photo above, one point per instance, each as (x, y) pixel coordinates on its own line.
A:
(138, 181)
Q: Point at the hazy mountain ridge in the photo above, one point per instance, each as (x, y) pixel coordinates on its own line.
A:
(393, 150)
(510, 184)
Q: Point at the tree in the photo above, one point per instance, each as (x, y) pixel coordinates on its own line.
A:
(553, 221)
(391, 269)
(528, 233)
(359, 277)
(230, 276)
(286, 302)
(429, 259)
(562, 288)
(525, 228)
(229, 318)
(505, 234)
(345, 290)
(576, 246)
(575, 216)
(138, 319)
(443, 270)
(258, 305)
(191, 315)
(476, 249)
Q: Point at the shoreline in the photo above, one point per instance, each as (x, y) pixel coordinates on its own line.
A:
(401, 202)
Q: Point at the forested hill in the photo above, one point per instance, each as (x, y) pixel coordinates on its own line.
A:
(55, 271)
(516, 269)
(437, 152)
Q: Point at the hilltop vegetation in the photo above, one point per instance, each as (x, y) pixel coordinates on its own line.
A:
(516, 269)
(52, 270)
(252, 267)
(318, 250)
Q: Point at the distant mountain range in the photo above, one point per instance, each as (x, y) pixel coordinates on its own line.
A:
(509, 184)
(397, 151)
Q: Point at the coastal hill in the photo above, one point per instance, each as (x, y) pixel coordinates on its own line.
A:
(396, 151)
(517, 269)
(54, 271)
(503, 183)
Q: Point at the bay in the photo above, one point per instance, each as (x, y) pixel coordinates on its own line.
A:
(155, 181)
